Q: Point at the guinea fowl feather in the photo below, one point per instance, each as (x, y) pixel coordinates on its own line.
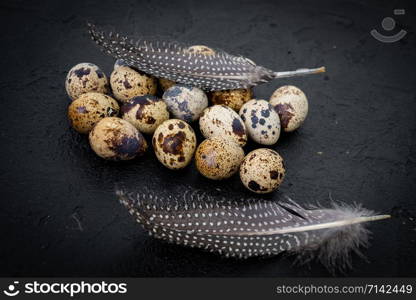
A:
(172, 60)
(253, 227)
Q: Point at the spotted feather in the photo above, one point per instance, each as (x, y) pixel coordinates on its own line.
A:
(253, 227)
(174, 61)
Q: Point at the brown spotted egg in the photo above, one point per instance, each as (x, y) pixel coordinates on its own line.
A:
(185, 102)
(262, 170)
(116, 139)
(222, 121)
(262, 121)
(120, 63)
(127, 83)
(166, 83)
(217, 158)
(292, 106)
(146, 113)
(174, 143)
(200, 49)
(84, 78)
(89, 108)
(232, 98)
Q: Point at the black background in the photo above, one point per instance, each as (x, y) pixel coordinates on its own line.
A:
(357, 145)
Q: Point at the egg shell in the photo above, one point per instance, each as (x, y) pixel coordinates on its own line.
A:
(116, 139)
(222, 121)
(262, 170)
(217, 158)
(292, 106)
(89, 108)
(84, 78)
(200, 49)
(166, 83)
(174, 143)
(146, 113)
(231, 98)
(185, 102)
(120, 63)
(127, 83)
(262, 121)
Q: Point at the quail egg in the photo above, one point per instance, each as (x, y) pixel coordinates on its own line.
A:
(262, 170)
(89, 108)
(127, 83)
(200, 49)
(185, 102)
(174, 142)
(120, 63)
(146, 113)
(166, 83)
(232, 98)
(217, 158)
(84, 78)
(222, 121)
(262, 121)
(292, 106)
(116, 139)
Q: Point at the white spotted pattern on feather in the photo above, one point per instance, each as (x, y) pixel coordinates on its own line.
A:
(252, 227)
(171, 60)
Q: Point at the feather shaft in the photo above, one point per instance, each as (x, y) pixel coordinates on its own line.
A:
(320, 226)
(299, 72)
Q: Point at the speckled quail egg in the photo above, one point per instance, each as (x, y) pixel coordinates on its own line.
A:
(262, 170)
(146, 113)
(84, 78)
(120, 63)
(116, 139)
(185, 102)
(200, 49)
(127, 83)
(89, 108)
(218, 158)
(292, 106)
(232, 98)
(222, 121)
(262, 121)
(166, 83)
(174, 142)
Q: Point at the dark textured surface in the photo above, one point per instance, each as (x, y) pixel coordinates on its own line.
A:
(58, 213)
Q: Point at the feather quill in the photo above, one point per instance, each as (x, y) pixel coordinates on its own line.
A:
(253, 227)
(173, 61)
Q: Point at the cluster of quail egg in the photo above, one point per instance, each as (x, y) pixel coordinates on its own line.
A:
(122, 113)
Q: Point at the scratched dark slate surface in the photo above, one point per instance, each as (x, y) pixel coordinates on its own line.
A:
(361, 121)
